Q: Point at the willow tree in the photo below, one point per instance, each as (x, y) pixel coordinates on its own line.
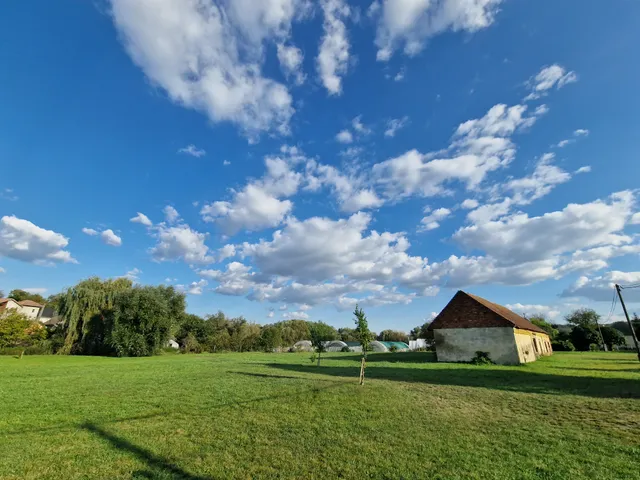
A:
(84, 309)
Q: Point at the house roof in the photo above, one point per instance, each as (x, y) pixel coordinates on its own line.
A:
(30, 303)
(470, 311)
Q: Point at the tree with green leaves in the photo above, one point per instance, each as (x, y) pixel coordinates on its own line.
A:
(365, 337)
(20, 295)
(583, 317)
(320, 334)
(16, 330)
(540, 321)
(421, 331)
(612, 337)
(393, 336)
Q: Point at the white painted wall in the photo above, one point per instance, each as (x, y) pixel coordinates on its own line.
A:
(461, 344)
(30, 312)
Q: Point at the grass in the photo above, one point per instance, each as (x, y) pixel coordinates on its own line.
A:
(573, 415)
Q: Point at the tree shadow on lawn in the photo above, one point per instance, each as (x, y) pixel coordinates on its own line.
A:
(160, 467)
(391, 357)
(600, 369)
(506, 379)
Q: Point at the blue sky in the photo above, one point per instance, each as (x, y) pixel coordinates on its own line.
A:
(292, 158)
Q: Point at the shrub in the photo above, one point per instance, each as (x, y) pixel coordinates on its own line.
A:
(345, 349)
(190, 344)
(563, 346)
(594, 347)
(481, 358)
(393, 348)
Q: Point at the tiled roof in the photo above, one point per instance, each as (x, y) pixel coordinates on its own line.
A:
(470, 311)
(30, 303)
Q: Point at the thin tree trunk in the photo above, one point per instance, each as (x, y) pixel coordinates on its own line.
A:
(362, 367)
(319, 354)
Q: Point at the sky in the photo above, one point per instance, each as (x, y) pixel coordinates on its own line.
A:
(288, 159)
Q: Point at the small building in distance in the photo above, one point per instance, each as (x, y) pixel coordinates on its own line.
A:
(29, 308)
(469, 324)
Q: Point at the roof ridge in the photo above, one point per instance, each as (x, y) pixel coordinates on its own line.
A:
(505, 313)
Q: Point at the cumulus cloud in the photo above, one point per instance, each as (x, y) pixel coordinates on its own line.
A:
(519, 238)
(171, 215)
(133, 275)
(585, 169)
(469, 204)
(142, 219)
(432, 221)
(600, 288)
(333, 57)
(344, 136)
(291, 58)
(194, 288)
(295, 315)
(478, 147)
(531, 310)
(193, 151)
(260, 203)
(543, 179)
(211, 54)
(408, 24)
(180, 242)
(90, 231)
(110, 238)
(553, 76)
(394, 125)
(22, 240)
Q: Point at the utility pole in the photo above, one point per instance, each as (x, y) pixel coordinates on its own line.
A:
(604, 345)
(626, 314)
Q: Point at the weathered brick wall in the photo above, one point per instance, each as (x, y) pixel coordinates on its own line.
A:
(464, 312)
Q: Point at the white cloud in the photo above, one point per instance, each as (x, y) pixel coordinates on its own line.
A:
(142, 219)
(226, 163)
(564, 143)
(394, 125)
(270, 314)
(548, 78)
(470, 204)
(2, 270)
(170, 214)
(38, 290)
(333, 57)
(180, 242)
(344, 136)
(531, 310)
(22, 240)
(600, 288)
(133, 275)
(193, 151)
(194, 288)
(225, 252)
(258, 205)
(519, 238)
(543, 179)
(291, 58)
(400, 75)
(585, 169)
(432, 221)
(360, 127)
(208, 55)
(352, 195)
(110, 238)
(90, 231)
(408, 24)
(478, 147)
(295, 316)
(635, 219)
(8, 194)
(581, 132)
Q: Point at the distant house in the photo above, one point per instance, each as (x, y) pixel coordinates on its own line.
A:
(470, 323)
(173, 344)
(27, 307)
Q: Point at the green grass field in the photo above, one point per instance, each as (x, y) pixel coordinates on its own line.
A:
(573, 415)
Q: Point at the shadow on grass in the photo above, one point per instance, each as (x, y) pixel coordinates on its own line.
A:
(160, 467)
(512, 379)
(289, 377)
(398, 357)
(600, 369)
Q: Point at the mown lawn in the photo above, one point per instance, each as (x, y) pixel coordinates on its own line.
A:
(574, 415)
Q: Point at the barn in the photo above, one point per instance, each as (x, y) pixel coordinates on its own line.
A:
(469, 324)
